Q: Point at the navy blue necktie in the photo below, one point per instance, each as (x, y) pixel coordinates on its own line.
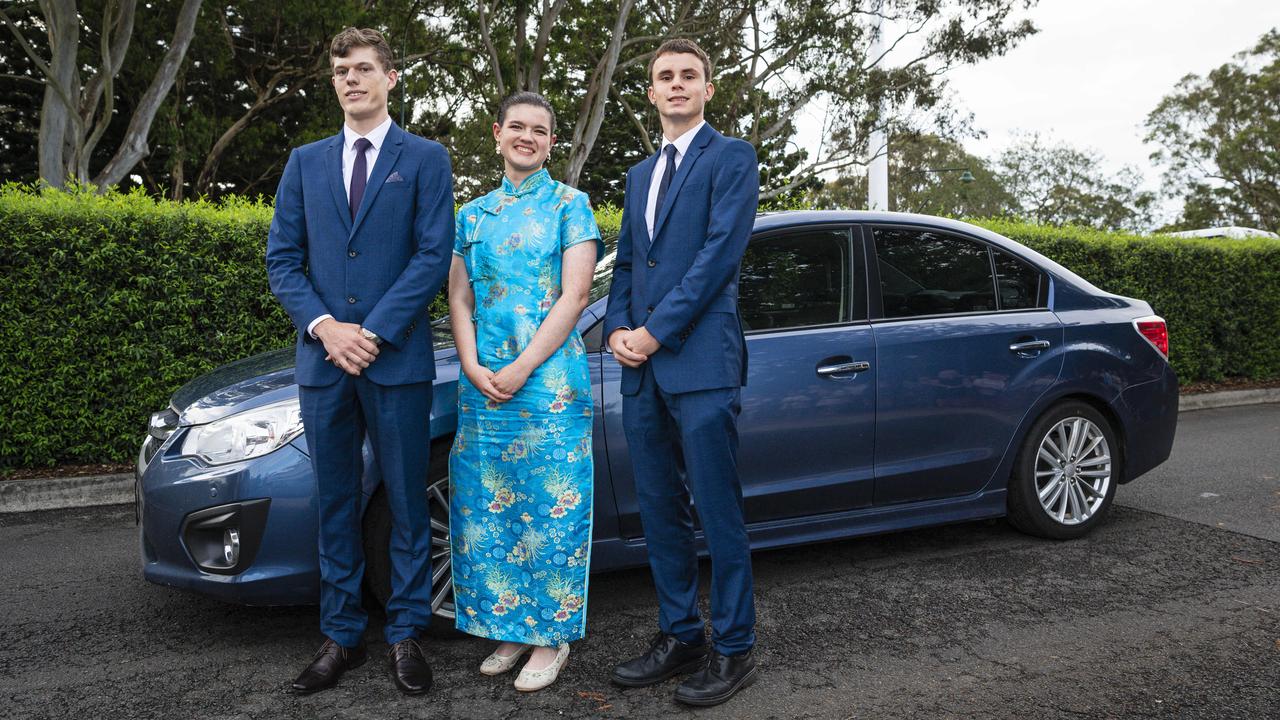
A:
(665, 182)
(359, 176)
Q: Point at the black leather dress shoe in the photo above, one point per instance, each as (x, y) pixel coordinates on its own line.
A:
(409, 668)
(666, 657)
(723, 676)
(330, 661)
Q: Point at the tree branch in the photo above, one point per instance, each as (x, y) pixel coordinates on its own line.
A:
(134, 146)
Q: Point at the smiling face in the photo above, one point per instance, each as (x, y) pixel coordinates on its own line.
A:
(679, 89)
(524, 140)
(362, 85)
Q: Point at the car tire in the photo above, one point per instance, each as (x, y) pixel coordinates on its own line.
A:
(377, 539)
(1066, 473)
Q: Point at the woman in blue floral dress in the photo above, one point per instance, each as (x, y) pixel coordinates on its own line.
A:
(521, 467)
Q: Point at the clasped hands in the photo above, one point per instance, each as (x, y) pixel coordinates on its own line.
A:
(633, 347)
(498, 386)
(346, 347)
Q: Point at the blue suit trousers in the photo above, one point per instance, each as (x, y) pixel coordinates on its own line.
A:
(396, 418)
(693, 435)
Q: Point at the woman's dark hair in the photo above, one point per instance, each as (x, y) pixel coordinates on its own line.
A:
(526, 98)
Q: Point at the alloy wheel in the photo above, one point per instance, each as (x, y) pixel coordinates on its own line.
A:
(1073, 470)
(441, 563)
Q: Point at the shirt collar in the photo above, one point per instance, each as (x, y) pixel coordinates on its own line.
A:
(683, 142)
(375, 136)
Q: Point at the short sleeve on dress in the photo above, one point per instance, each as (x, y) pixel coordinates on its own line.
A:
(578, 224)
(459, 231)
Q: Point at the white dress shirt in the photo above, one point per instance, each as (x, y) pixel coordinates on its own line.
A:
(682, 144)
(376, 136)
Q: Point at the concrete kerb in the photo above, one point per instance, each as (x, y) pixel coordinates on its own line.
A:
(87, 491)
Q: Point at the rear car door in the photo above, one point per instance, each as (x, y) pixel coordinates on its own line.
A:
(965, 345)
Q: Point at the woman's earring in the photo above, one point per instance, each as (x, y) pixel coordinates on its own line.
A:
(497, 148)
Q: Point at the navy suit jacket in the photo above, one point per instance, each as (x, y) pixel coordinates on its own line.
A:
(682, 284)
(380, 270)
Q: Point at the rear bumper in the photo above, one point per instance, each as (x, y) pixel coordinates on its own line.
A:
(1150, 416)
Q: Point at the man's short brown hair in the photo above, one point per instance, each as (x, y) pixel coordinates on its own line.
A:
(676, 46)
(352, 37)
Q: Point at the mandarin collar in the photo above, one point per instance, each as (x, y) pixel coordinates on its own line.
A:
(528, 185)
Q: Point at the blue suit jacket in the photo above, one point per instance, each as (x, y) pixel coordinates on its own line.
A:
(682, 284)
(380, 270)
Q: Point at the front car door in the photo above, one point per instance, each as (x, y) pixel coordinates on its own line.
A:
(808, 410)
(965, 345)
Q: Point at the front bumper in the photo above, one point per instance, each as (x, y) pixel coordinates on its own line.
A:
(280, 565)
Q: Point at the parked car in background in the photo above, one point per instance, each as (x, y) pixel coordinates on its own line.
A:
(905, 371)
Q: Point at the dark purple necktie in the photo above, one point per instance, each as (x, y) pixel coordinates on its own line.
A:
(665, 183)
(359, 176)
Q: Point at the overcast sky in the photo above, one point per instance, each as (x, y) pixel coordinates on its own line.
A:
(1097, 67)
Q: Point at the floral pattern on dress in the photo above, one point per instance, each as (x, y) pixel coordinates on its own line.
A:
(521, 471)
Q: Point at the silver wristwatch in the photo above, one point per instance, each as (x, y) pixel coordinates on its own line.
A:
(371, 336)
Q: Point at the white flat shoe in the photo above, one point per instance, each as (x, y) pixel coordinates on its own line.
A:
(530, 680)
(497, 664)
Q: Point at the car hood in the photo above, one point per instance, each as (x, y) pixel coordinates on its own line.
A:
(238, 385)
(254, 381)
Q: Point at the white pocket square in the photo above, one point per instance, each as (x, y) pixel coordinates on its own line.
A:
(394, 177)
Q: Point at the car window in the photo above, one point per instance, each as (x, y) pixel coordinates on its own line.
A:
(796, 280)
(930, 273)
(1021, 285)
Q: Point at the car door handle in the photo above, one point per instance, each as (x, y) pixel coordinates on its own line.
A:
(1029, 346)
(856, 366)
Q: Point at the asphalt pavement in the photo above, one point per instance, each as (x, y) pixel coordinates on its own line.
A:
(1169, 610)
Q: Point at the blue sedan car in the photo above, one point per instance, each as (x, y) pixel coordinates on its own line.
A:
(905, 371)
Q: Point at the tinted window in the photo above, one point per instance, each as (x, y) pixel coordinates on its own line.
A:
(928, 273)
(1019, 283)
(795, 280)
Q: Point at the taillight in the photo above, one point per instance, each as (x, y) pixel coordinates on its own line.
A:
(1155, 331)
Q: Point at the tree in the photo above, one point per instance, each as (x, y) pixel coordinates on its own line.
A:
(75, 114)
(1056, 184)
(1220, 140)
(926, 175)
(775, 59)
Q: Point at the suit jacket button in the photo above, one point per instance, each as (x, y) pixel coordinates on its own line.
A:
(351, 300)
(653, 263)
(352, 253)
(649, 309)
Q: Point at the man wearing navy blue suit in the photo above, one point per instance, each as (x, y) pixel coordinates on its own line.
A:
(359, 245)
(673, 324)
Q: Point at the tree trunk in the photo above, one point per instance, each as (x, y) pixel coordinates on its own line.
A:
(587, 129)
(58, 116)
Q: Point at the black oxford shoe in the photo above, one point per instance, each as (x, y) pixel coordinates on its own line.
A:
(330, 661)
(723, 676)
(666, 657)
(409, 668)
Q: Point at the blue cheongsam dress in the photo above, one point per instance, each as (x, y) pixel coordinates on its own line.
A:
(521, 471)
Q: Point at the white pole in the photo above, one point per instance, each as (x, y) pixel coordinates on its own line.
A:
(878, 168)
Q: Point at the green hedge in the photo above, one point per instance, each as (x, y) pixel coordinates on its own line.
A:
(1221, 298)
(109, 303)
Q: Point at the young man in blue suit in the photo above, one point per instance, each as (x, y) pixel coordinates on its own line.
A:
(359, 245)
(673, 324)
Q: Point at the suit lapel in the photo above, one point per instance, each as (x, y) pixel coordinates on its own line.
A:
(700, 141)
(333, 169)
(381, 170)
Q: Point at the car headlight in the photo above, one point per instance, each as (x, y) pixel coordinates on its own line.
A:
(250, 434)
